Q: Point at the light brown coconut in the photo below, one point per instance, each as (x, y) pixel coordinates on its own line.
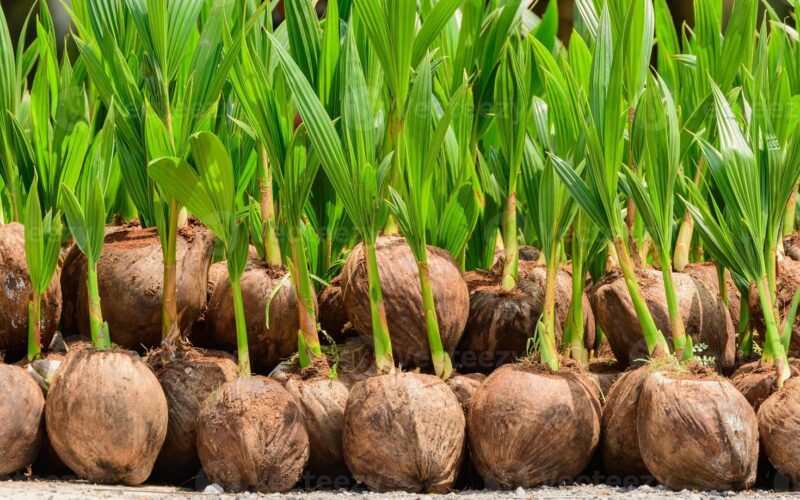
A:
(268, 346)
(696, 431)
(403, 300)
(620, 440)
(704, 314)
(501, 322)
(251, 436)
(404, 432)
(332, 315)
(16, 292)
(464, 386)
(757, 381)
(779, 425)
(129, 276)
(106, 416)
(21, 411)
(322, 401)
(188, 377)
(528, 426)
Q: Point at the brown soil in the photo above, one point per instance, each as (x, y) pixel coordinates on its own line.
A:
(404, 432)
(187, 377)
(403, 300)
(697, 432)
(621, 455)
(21, 411)
(106, 416)
(779, 425)
(332, 315)
(130, 280)
(251, 436)
(529, 427)
(705, 316)
(268, 346)
(323, 401)
(757, 381)
(16, 293)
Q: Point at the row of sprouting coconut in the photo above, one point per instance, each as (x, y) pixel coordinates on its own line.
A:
(468, 196)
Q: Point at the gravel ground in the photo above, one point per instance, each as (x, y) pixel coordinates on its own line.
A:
(75, 490)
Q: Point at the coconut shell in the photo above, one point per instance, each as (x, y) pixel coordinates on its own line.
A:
(106, 416)
(21, 411)
(251, 436)
(399, 279)
(332, 315)
(16, 293)
(268, 346)
(130, 276)
(779, 425)
(187, 380)
(404, 432)
(697, 432)
(758, 381)
(621, 455)
(323, 401)
(704, 314)
(528, 426)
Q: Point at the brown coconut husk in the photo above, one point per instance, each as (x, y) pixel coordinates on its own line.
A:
(620, 442)
(16, 293)
(332, 315)
(529, 426)
(786, 286)
(707, 274)
(404, 432)
(268, 346)
(130, 277)
(696, 431)
(399, 278)
(604, 373)
(779, 425)
(501, 322)
(757, 381)
(187, 376)
(464, 386)
(106, 416)
(21, 411)
(251, 436)
(704, 314)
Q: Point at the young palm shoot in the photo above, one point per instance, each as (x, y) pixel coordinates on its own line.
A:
(210, 194)
(656, 125)
(739, 232)
(42, 246)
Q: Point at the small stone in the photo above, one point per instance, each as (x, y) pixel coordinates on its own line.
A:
(214, 489)
(520, 491)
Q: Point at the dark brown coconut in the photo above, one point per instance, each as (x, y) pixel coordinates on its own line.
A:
(322, 401)
(21, 410)
(705, 316)
(604, 373)
(16, 292)
(129, 276)
(758, 381)
(501, 322)
(106, 416)
(187, 377)
(268, 346)
(779, 425)
(332, 315)
(404, 432)
(528, 426)
(696, 431)
(621, 455)
(403, 299)
(251, 436)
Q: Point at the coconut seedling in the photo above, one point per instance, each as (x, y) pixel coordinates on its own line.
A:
(380, 460)
(269, 455)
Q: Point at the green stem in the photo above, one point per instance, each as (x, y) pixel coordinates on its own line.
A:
(656, 344)
(547, 338)
(272, 247)
(441, 360)
(384, 360)
(310, 352)
(97, 328)
(773, 348)
(745, 332)
(35, 326)
(242, 350)
(169, 301)
(679, 338)
(574, 334)
(789, 214)
(511, 263)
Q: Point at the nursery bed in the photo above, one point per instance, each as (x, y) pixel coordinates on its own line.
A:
(69, 490)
